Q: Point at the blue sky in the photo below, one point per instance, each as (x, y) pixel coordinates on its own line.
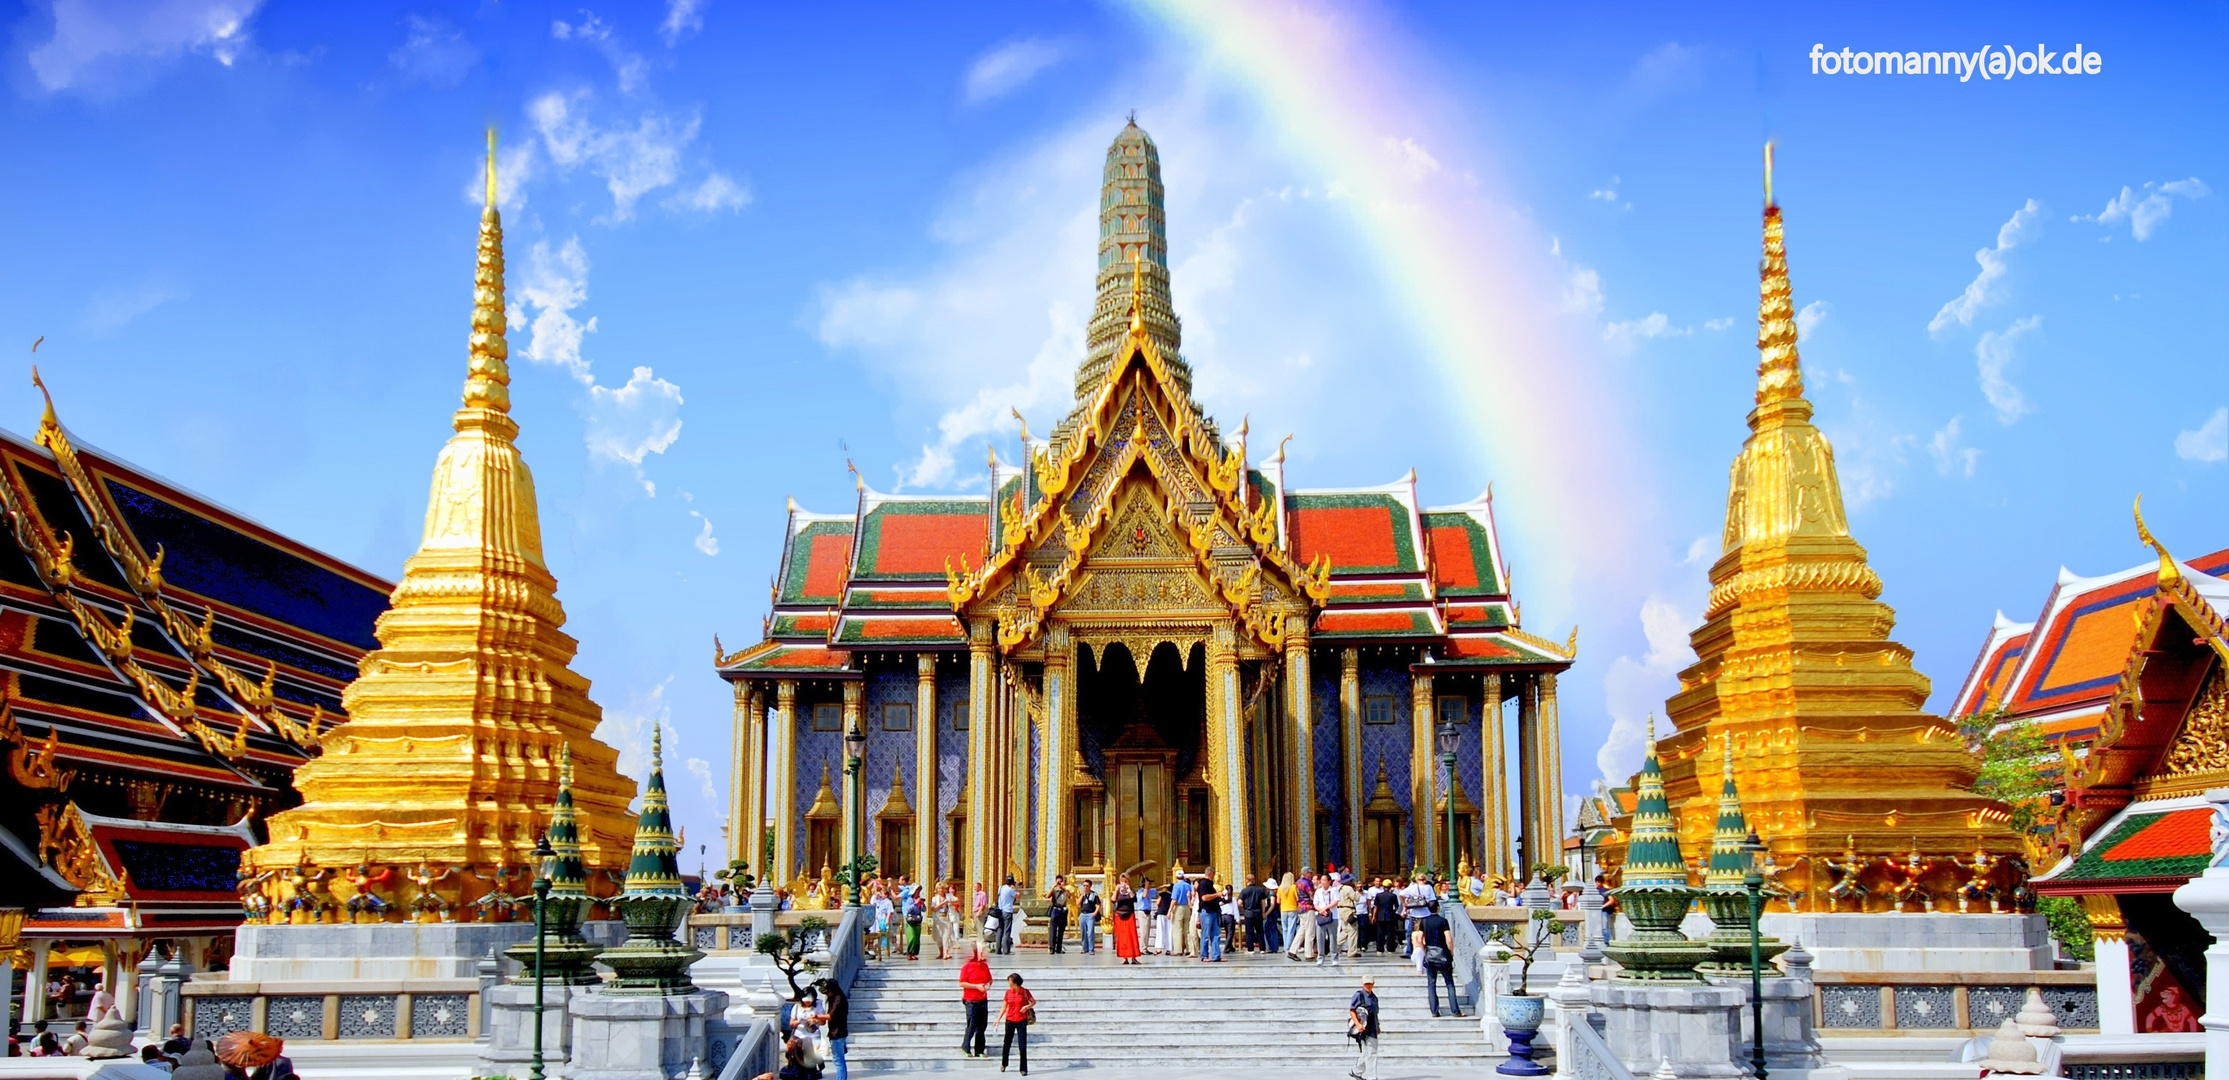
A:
(750, 242)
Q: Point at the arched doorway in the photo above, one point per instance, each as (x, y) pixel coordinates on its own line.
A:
(1140, 737)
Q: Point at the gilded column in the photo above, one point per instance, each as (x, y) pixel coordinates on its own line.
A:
(1423, 772)
(1300, 704)
(782, 748)
(1052, 765)
(1226, 752)
(1497, 780)
(982, 770)
(1528, 775)
(743, 777)
(925, 778)
(1350, 749)
(855, 693)
(1551, 770)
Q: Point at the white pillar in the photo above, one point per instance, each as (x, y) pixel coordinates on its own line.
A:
(2206, 898)
(2116, 998)
(34, 987)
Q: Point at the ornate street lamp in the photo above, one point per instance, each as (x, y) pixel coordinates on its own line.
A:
(544, 856)
(1450, 737)
(1754, 881)
(855, 750)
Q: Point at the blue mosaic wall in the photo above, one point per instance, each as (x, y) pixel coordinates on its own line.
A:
(951, 743)
(814, 749)
(1387, 743)
(1329, 791)
(888, 752)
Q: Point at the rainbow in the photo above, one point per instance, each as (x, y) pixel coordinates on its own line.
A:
(1481, 288)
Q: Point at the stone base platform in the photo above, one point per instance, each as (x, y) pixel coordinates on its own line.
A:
(383, 951)
(1917, 941)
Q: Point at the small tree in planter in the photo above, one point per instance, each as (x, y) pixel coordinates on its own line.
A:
(792, 950)
(1520, 1013)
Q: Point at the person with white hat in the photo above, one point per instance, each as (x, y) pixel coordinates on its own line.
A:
(1362, 1027)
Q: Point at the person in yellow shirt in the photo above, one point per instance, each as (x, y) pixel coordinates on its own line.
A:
(1288, 914)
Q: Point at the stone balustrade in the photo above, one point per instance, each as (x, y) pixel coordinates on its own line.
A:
(1947, 1002)
(429, 1009)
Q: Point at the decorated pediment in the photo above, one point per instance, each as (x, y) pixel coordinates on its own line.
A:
(1138, 470)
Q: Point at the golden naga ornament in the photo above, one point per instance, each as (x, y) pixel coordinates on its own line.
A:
(448, 766)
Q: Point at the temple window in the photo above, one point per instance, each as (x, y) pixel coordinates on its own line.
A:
(959, 713)
(828, 717)
(1377, 709)
(897, 716)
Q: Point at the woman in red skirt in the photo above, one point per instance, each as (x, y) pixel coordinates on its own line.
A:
(1125, 920)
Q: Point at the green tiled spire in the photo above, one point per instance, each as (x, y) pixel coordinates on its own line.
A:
(567, 956)
(651, 962)
(1652, 856)
(1729, 864)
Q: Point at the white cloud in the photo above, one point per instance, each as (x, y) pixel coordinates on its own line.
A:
(2019, 229)
(632, 161)
(702, 770)
(1727, 322)
(433, 53)
(627, 66)
(96, 37)
(1811, 316)
(626, 423)
(683, 17)
(627, 729)
(1414, 160)
(1582, 291)
(715, 194)
(630, 422)
(1699, 551)
(112, 308)
(1994, 355)
(2145, 212)
(1655, 325)
(705, 541)
(1670, 66)
(1634, 688)
(1607, 193)
(2209, 442)
(1951, 458)
(1004, 69)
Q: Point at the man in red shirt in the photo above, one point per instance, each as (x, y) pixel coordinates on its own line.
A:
(975, 995)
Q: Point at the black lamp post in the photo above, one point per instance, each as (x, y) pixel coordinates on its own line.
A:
(543, 857)
(1754, 881)
(1449, 737)
(855, 749)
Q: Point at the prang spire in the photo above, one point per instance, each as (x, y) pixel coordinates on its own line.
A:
(1779, 371)
(1133, 278)
(487, 383)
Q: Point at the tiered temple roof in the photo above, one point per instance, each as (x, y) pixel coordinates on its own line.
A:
(2061, 670)
(162, 658)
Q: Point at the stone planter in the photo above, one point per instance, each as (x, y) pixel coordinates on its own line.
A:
(1656, 949)
(1729, 936)
(1520, 1016)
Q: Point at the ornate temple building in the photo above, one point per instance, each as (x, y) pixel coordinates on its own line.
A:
(2138, 822)
(431, 796)
(1841, 772)
(1143, 650)
(166, 666)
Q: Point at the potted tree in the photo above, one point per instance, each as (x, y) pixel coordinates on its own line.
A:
(1521, 1012)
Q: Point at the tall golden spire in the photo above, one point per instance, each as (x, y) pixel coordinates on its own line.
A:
(1793, 655)
(458, 722)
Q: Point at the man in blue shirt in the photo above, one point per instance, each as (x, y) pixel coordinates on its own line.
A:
(1009, 901)
(1180, 916)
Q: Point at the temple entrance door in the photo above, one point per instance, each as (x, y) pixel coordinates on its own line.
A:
(1139, 735)
(1144, 794)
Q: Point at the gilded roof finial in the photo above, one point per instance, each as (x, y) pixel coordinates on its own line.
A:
(488, 379)
(1768, 172)
(2168, 570)
(47, 419)
(1779, 369)
(1020, 419)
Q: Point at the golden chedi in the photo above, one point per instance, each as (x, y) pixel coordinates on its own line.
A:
(450, 756)
(1797, 678)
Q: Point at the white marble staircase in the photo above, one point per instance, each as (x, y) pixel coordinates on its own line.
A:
(1171, 1011)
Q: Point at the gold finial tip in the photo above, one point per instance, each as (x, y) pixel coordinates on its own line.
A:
(1768, 173)
(2168, 571)
(491, 166)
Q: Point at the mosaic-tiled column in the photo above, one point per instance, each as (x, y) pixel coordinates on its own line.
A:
(1299, 708)
(926, 857)
(1424, 771)
(782, 757)
(855, 693)
(1052, 765)
(1350, 748)
(983, 770)
(1497, 780)
(1226, 752)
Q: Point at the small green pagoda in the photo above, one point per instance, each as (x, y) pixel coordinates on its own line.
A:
(1725, 886)
(567, 957)
(1655, 895)
(651, 962)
